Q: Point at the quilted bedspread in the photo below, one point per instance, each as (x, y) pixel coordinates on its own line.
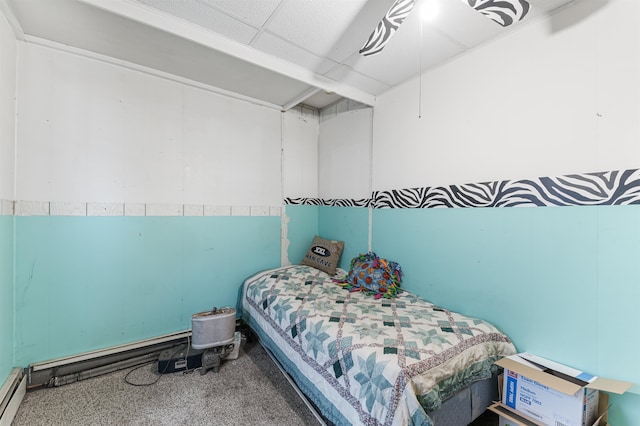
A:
(363, 360)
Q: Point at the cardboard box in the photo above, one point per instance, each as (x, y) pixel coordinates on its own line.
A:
(548, 393)
(504, 421)
(508, 418)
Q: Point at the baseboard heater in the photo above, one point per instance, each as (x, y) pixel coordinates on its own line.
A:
(11, 395)
(71, 369)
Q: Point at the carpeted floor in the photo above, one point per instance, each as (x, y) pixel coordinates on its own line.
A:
(247, 391)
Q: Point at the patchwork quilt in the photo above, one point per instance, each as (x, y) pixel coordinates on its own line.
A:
(363, 360)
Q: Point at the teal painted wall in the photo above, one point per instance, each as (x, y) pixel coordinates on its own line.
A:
(563, 282)
(302, 226)
(84, 283)
(6, 297)
(348, 224)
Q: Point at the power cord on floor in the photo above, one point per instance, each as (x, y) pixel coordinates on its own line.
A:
(126, 378)
(164, 370)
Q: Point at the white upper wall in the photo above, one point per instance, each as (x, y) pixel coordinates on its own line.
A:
(556, 97)
(8, 52)
(90, 131)
(344, 148)
(300, 131)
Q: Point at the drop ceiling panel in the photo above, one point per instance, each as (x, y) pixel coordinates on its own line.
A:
(207, 17)
(462, 24)
(253, 12)
(541, 8)
(353, 78)
(276, 46)
(276, 51)
(470, 28)
(322, 99)
(318, 25)
(400, 60)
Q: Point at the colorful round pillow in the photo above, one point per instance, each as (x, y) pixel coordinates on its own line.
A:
(373, 275)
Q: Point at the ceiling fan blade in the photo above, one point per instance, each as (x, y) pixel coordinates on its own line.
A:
(387, 27)
(504, 12)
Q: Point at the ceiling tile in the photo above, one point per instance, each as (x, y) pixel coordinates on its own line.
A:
(115, 36)
(205, 16)
(319, 26)
(254, 12)
(463, 24)
(302, 39)
(283, 49)
(347, 75)
(321, 99)
(544, 7)
(400, 59)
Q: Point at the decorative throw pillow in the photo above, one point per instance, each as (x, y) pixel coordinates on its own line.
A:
(323, 254)
(373, 275)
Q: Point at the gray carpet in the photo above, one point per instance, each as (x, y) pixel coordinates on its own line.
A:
(247, 391)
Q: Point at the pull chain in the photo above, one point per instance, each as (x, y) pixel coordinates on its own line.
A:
(420, 76)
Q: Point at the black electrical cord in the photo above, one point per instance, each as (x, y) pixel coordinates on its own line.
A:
(126, 377)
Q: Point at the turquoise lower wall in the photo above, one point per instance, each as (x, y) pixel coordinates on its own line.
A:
(563, 282)
(6, 297)
(302, 226)
(350, 225)
(84, 283)
(347, 224)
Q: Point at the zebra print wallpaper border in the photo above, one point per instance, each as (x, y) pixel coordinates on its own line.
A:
(333, 202)
(587, 189)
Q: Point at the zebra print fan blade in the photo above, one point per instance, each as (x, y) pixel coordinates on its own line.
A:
(504, 12)
(387, 27)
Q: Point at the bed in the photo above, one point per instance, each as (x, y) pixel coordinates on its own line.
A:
(362, 360)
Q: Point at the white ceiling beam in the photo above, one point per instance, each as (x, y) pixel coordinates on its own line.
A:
(10, 15)
(147, 70)
(300, 98)
(140, 13)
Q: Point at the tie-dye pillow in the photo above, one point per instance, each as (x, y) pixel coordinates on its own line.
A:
(373, 275)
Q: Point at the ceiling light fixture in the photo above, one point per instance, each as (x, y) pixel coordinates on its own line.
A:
(429, 10)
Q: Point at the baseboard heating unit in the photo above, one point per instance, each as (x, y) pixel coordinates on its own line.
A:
(11, 395)
(65, 370)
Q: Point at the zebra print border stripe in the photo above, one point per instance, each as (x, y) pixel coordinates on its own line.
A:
(587, 189)
(337, 202)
